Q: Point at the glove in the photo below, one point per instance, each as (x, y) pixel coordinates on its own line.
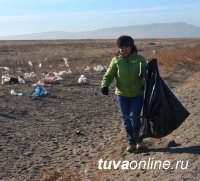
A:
(104, 90)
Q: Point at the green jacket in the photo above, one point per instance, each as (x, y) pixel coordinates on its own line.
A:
(128, 73)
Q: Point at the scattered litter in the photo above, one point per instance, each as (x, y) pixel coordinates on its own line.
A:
(67, 65)
(21, 80)
(5, 79)
(40, 82)
(66, 62)
(69, 71)
(52, 79)
(14, 80)
(49, 80)
(39, 91)
(58, 75)
(45, 74)
(30, 63)
(40, 65)
(82, 79)
(5, 68)
(29, 75)
(98, 68)
(87, 68)
(78, 132)
(12, 92)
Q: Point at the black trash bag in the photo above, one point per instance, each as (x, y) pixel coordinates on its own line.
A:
(14, 80)
(162, 112)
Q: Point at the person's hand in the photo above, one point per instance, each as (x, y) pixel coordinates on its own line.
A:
(105, 90)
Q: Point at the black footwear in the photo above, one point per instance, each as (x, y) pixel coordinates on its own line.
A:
(131, 148)
(141, 146)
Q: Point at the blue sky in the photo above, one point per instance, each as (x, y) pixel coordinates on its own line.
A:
(32, 16)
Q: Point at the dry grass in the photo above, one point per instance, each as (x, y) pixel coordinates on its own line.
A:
(171, 53)
(83, 53)
(178, 55)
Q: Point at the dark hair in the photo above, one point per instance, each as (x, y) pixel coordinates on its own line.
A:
(125, 40)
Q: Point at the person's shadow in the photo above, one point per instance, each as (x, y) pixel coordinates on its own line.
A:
(190, 150)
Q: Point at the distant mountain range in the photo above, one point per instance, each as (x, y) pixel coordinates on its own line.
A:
(160, 30)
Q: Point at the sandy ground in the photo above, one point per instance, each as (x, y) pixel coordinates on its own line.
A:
(63, 135)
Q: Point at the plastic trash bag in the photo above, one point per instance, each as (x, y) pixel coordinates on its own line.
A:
(66, 62)
(39, 83)
(5, 68)
(49, 80)
(162, 112)
(29, 75)
(12, 92)
(99, 68)
(39, 91)
(82, 79)
(21, 80)
(59, 74)
(30, 63)
(5, 79)
(14, 80)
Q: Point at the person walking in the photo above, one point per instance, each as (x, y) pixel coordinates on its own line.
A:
(128, 69)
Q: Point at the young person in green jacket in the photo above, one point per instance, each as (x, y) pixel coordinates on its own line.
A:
(128, 69)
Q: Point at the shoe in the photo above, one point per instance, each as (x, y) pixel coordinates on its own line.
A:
(141, 146)
(131, 148)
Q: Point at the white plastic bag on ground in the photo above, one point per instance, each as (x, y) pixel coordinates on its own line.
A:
(62, 72)
(20, 80)
(87, 68)
(82, 79)
(5, 68)
(69, 71)
(30, 63)
(12, 92)
(29, 75)
(5, 79)
(98, 68)
(66, 62)
(58, 75)
(40, 82)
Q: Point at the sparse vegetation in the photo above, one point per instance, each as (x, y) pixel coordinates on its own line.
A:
(40, 141)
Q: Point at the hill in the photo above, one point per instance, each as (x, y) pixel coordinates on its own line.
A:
(160, 30)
